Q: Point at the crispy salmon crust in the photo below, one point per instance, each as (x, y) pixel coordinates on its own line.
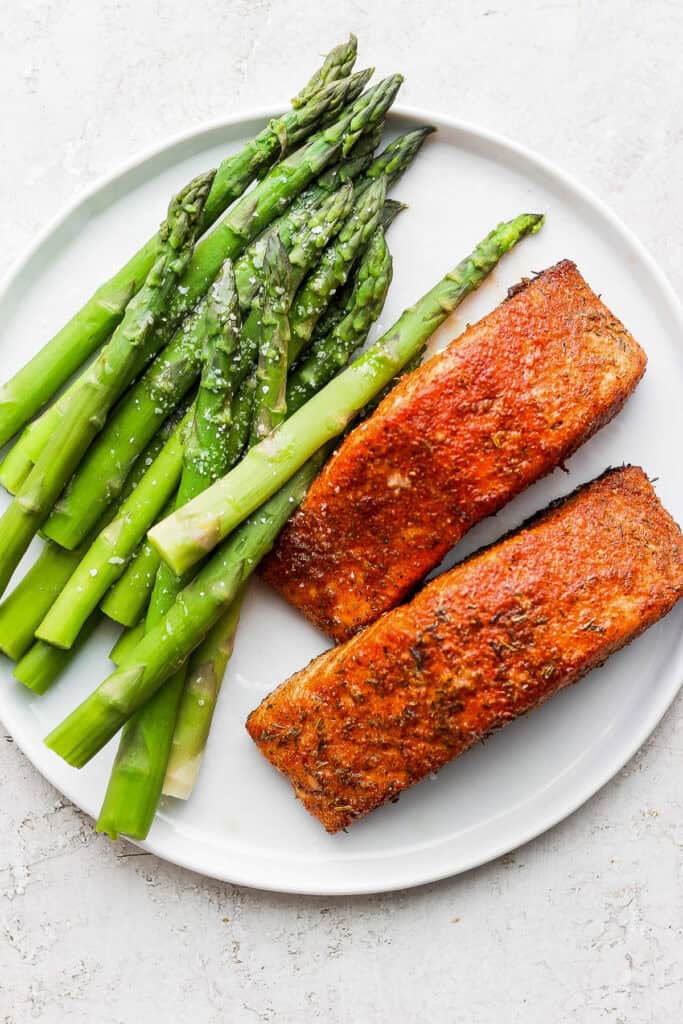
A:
(501, 406)
(480, 645)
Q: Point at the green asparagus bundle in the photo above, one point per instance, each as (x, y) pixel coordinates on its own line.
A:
(334, 268)
(163, 386)
(109, 376)
(248, 217)
(186, 536)
(45, 373)
(199, 605)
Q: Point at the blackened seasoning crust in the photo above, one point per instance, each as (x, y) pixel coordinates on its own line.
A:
(480, 645)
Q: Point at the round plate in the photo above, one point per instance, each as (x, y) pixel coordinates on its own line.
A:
(243, 823)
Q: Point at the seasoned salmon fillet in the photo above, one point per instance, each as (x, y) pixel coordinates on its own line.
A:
(477, 647)
(501, 406)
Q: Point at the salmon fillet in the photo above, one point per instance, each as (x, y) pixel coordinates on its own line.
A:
(501, 406)
(477, 647)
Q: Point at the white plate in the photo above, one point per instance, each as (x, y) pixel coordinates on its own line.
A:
(243, 823)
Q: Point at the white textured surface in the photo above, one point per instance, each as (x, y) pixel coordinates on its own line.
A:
(585, 924)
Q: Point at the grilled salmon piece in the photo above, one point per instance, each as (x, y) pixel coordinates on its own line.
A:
(477, 647)
(501, 406)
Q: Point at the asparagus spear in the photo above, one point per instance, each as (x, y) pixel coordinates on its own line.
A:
(43, 664)
(335, 266)
(337, 64)
(164, 384)
(109, 376)
(192, 531)
(107, 556)
(23, 610)
(198, 702)
(25, 452)
(166, 647)
(45, 373)
(128, 640)
(251, 214)
(396, 158)
(271, 372)
(125, 602)
(138, 773)
(364, 307)
(242, 412)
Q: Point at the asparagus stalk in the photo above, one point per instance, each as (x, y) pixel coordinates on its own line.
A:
(128, 640)
(337, 64)
(253, 212)
(242, 413)
(335, 266)
(43, 664)
(164, 384)
(185, 537)
(271, 372)
(126, 601)
(168, 645)
(45, 373)
(363, 309)
(211, 423)
(109, 376)
(138, 773)
(393, 161)
(23, 610)
(108, 555)
(198, 702)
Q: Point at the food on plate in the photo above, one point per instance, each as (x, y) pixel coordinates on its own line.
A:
(476, 648)
(501, 406)
(212, 376)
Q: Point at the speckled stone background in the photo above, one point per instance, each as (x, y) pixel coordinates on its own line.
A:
(586, 923)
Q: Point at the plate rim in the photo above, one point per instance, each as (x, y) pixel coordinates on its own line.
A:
(544, 819)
